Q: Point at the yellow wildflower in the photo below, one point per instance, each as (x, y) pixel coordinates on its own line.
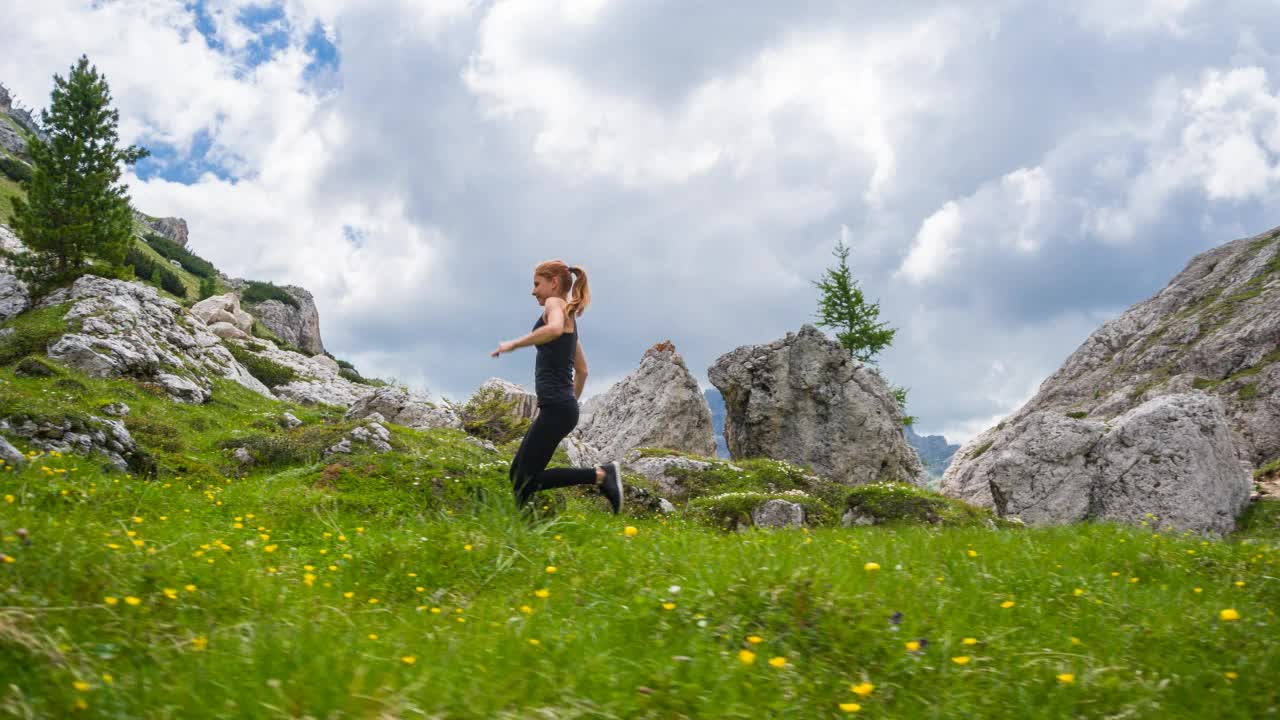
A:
(912, 645)
(551, 568)
(110, 600)
(131, 600)
(1231, 675)
(869, 567)
(408, 659)
(969, 641)
(668, 606)
(1007, 604)
(467, 547)
(778, 661)
(862, 690)
(189, 588)
(755, 639)
(82, 686)
(973, 553)
(542, 593)
(1229, 614)
(630, 531)
(746, 657)
(850, 707)
(309, 579)
(1066, 678)
(270, 548)
(171, 593)
(199, 643)
(535, 641)
(961, 660)
(373, 636)
(526, 609)
(348, 595)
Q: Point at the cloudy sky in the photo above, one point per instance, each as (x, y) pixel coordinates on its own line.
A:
(1009, 175)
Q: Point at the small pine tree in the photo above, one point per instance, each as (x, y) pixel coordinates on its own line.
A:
(77, 211)
(843, 307)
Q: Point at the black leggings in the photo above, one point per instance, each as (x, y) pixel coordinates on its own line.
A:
(528, 468)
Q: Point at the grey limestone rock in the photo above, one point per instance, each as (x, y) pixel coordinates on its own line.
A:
(657, 405)
(299, 326)
(372, 434)
(11, 454)
(223, 308)
(14, 297)
(778, 514)
(1170, 462)
(402, 407)
(289, 420)
(670, 473)
(89, 436)
(806, 400)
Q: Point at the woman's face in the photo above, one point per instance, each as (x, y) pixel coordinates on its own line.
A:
(544, 288)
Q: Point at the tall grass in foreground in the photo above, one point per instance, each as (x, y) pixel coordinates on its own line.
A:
(264, 597)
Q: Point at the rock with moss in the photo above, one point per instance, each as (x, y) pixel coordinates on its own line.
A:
(11, 454)
(1215, 327)
(778, 514)
(740, 510)
(1170, 462)
(657, 405)
(805, 399)
(291, 315)
(890, 503)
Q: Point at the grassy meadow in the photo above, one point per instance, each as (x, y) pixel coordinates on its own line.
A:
(404, 585)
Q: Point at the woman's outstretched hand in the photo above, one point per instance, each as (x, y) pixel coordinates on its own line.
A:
(503, 347)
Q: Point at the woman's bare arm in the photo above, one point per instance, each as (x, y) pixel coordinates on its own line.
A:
(579, 371)
(553, 329)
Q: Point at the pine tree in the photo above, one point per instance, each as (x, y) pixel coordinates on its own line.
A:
(843, 307)
(77, 211)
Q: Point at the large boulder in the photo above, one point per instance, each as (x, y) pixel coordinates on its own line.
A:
(296, 323)
(14, 297)
(1170, 462)
(1215, 327)
(224, 308)
(806, 400)
(402, 407)
(127, 329)
(657, 405)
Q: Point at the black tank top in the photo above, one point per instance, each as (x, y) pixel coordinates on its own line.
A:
(553, 370)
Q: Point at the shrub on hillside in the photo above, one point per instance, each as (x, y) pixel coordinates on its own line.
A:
(489, 416)
(190, 262)
(15, 169)
(303, 445)
(263, 291)
(269, 373)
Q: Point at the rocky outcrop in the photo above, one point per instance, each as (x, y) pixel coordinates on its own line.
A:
(1170, 462)
(401, 407)
(806, 400)
(88, 436)
(317, 380)
(1215, 327)
(127, 329)
(13, 141)
(297, 325)
(657, 405)
(172, 228)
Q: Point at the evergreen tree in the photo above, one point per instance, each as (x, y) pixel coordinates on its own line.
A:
(843, 307)
(77, 211)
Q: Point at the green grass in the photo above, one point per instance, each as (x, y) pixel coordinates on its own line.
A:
(8, 191)
(370, 561)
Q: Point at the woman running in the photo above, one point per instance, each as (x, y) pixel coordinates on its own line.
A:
(559, 374)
